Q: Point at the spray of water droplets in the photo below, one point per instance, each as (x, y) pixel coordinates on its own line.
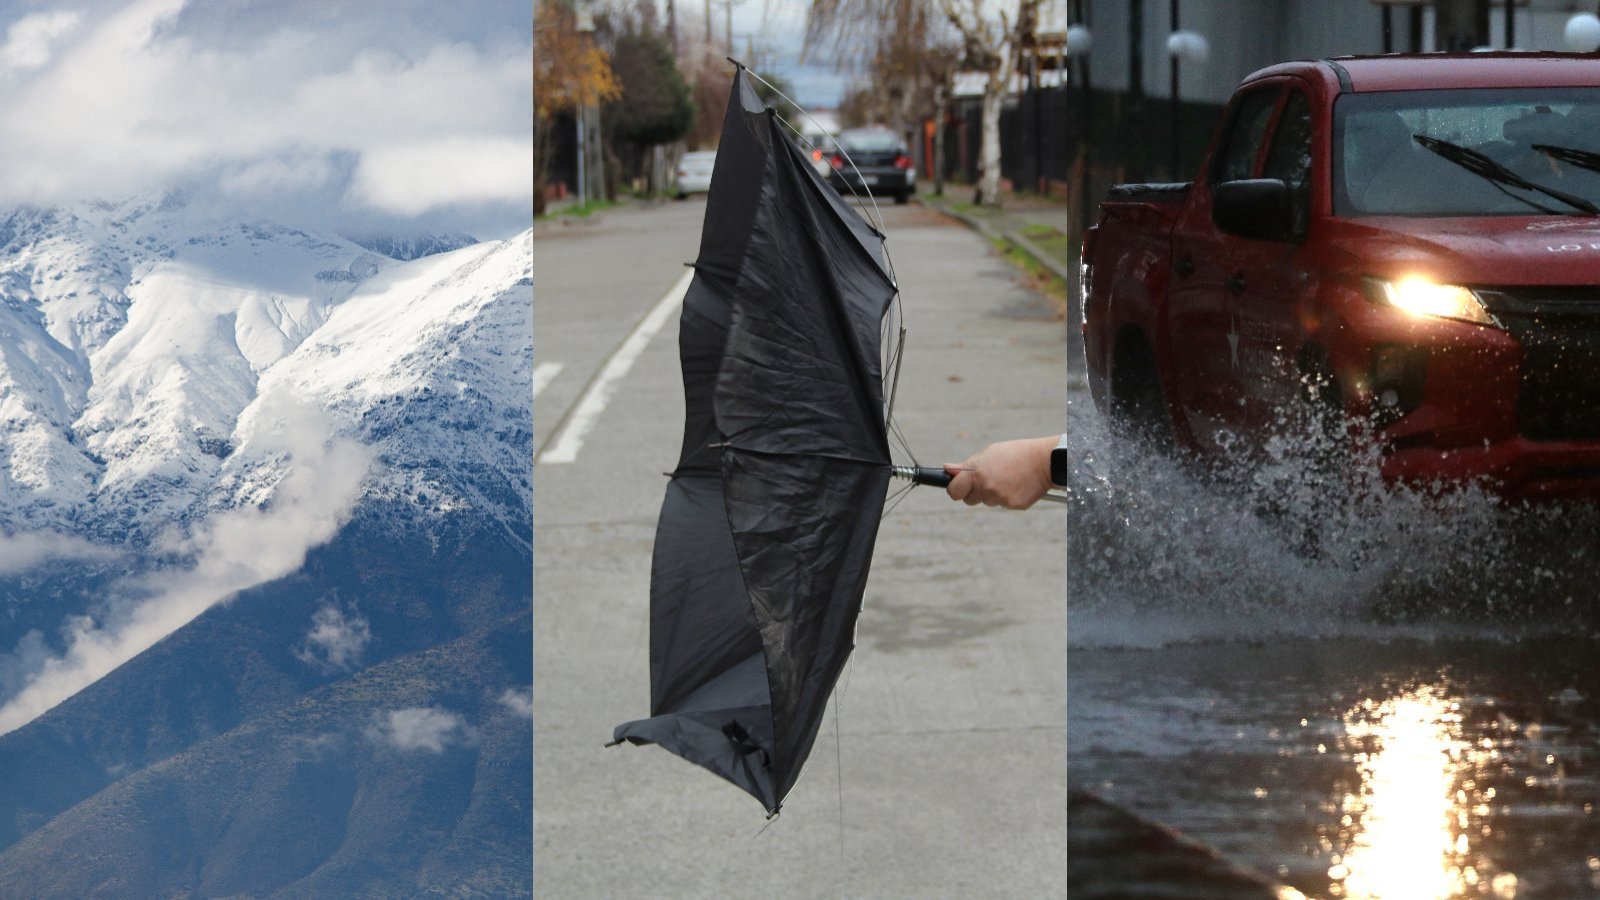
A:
(1164, 549)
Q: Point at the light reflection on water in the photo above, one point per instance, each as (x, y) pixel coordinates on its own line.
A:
(1402, 841)
(1409, 830)
(1356, 769)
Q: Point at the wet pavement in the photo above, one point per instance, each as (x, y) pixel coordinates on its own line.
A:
(1358, 768)
(1406, 706)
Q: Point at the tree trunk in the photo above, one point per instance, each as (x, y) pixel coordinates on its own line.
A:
(994, 95)
(994, 98)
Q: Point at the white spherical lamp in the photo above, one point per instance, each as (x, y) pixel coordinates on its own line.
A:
(1188, 46)
(1583, 33)
(1078, 41)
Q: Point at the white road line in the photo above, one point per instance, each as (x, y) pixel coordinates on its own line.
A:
(593, 402)
(543, 374)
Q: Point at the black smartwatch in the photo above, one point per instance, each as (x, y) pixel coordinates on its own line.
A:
(1058, 463)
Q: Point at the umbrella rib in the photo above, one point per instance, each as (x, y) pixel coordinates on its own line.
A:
(894, 500)
(726, 446)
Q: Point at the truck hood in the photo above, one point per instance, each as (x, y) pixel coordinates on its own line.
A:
(1487, 250)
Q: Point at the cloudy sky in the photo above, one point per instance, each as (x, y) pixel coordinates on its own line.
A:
(778, 27)
(399, 114)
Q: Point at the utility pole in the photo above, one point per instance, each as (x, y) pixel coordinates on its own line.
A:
(585, 26)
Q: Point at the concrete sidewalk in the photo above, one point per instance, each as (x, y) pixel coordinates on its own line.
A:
(1038, 225)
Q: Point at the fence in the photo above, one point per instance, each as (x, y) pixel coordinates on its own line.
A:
(1047, 135)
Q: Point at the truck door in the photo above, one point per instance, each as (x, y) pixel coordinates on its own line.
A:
(1209, 272)
(1268, 310)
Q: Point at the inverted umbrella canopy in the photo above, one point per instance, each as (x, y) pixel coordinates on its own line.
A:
(767, 529)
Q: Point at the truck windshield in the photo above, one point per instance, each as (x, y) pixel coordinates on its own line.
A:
(1391, 153)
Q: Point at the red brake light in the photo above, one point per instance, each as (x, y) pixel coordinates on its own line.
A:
(815, 154)
(837, 161)
(902, 161)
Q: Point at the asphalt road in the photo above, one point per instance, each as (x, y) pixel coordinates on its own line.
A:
(941, 770)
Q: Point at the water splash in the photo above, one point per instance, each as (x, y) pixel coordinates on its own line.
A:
(1164, 550)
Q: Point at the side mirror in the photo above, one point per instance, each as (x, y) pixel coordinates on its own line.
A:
(1257, 208)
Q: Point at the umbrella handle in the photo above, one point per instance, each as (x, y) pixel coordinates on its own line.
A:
(932, 476)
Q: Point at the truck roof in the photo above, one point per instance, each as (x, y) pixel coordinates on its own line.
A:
(1435, 71)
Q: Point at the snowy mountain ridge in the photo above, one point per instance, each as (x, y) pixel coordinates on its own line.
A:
(138, 342)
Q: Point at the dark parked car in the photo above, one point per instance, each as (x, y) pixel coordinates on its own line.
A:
(882, 164)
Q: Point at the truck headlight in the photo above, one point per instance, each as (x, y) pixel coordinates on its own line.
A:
(1421, 297)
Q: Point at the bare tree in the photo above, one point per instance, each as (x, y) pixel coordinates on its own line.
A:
(904, 45)
(992, 40)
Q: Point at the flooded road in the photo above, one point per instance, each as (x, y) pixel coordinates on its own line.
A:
(1390, 696)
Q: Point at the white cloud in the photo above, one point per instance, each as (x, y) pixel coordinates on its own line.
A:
(335, 642)
(418, 178)
(429, 728)
(21, 552)
(121, 98)
(293, 172)
(26, 658)
(30, 40)
(232, 551)
(519, 702)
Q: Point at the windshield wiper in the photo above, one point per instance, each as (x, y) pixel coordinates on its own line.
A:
(1583, 159)
(1499, 175)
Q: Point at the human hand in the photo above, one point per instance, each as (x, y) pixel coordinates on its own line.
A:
(1012, 474)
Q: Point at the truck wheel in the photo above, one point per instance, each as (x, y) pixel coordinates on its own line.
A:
(1138, 409)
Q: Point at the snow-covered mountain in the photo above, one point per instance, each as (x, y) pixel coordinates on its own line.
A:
(139, 340)
(414, 246)
(269, 494)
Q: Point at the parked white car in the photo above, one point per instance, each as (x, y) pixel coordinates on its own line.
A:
(694, 172)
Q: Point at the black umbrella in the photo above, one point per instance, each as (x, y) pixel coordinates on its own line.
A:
(767, 529)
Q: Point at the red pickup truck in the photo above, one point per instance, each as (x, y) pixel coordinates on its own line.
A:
(1410, 242)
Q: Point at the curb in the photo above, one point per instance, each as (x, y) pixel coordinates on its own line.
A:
(1129, 855)
(1013, 235)
(1039, 256)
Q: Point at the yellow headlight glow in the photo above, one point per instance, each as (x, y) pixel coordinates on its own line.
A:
(1421, 297)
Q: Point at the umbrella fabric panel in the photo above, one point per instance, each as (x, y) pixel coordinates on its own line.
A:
(804, 528)
(725, 727)
(701, 623)
(802, 368)
(870, 238)
(744, 159)
(702, 332)
(710, 703)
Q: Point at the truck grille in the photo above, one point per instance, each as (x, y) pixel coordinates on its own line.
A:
(1559, 329)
